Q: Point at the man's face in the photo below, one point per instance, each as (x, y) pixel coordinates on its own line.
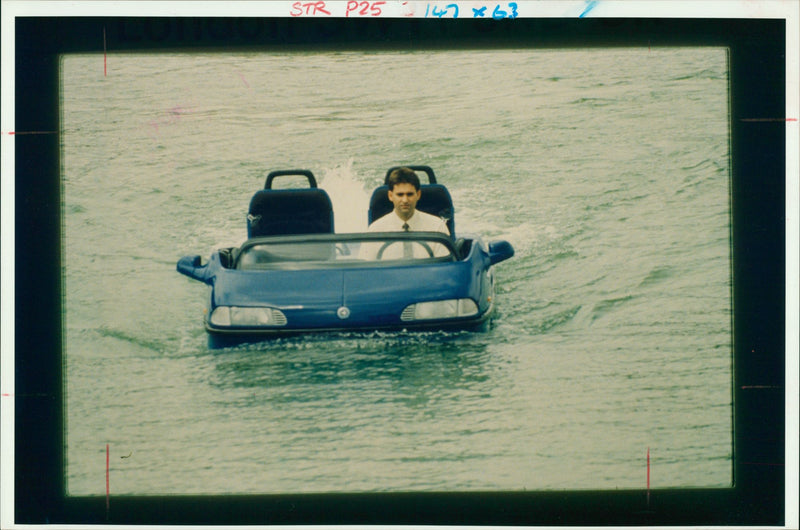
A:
(404, 197)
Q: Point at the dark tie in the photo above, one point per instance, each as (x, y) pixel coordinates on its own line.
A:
(408, 252)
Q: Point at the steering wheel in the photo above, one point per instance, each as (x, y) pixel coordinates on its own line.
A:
(390, 243)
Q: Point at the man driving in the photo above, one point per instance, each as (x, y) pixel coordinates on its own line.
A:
(404, 193)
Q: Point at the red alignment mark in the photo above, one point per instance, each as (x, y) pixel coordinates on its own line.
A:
(105, 63)
(767, 119)
(108, 490)
(12, 133)
(648, 476)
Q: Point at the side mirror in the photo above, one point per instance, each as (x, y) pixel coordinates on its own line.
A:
(191, 266)
(500, 251)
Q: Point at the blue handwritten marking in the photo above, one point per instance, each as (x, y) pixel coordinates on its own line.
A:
(477, 12)
(442, 12)
(589, 6)
(499, 14)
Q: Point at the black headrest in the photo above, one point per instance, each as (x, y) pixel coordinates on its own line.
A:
(435, 200)
(290, 211)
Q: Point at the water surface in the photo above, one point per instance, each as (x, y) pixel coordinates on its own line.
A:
(606, 169)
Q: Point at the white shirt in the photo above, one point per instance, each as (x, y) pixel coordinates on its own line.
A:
(418, 222)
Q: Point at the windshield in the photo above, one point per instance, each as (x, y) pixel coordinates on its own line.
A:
(344, 250)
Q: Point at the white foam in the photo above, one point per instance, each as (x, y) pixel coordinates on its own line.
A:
(349, 198)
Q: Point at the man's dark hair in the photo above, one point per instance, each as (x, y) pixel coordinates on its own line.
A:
(402, 175)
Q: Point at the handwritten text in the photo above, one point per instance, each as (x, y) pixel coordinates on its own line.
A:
(364, 8)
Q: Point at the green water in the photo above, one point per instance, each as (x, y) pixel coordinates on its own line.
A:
(606, 169)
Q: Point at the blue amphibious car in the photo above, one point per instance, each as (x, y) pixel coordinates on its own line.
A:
(294, 274)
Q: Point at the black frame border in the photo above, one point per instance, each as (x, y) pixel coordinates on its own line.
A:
(758, 166)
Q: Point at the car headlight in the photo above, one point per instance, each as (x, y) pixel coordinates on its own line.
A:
(463, 307)
(224, 316)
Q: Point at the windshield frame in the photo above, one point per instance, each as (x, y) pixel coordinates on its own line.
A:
(351, 237)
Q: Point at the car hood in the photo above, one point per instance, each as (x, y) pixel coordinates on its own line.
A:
(312, 298)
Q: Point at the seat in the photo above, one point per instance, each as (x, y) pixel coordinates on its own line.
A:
(288, 212)
(275, 212)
